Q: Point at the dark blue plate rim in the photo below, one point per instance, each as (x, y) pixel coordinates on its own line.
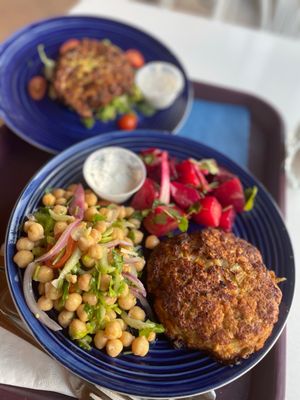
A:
(166, 138)
(4, 45)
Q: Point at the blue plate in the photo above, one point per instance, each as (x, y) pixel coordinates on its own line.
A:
(50, 125)
(164, 372)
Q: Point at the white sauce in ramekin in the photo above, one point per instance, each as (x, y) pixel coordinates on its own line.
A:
(160, 82)
(114, 173)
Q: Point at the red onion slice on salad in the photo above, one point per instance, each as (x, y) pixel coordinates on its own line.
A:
(61, 243)
(31, 303)
(76, 207)
(140, 287)
(143, 301)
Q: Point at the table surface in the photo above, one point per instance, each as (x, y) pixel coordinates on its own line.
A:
(225, 55)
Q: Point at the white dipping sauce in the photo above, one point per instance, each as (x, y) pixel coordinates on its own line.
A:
(160, 82)
(114, 173)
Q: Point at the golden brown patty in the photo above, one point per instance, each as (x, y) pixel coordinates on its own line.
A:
(90, 75)
(213, 292)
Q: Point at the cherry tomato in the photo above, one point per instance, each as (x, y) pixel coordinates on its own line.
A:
(70, 44)
(128, 122)
(135, 58)
(37, 87)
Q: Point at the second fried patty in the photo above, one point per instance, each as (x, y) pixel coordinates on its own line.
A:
(91, 75)
(213, 292)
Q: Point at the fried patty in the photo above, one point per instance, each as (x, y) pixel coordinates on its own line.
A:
(212, 292)
(90, 75)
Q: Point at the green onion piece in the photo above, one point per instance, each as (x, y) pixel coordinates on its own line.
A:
(60, 217)
(44, 218)
(136, 324)
(70, 264)
(250, 194)
(85, 342)
(49, 64)
(88, 122)
(36, 273)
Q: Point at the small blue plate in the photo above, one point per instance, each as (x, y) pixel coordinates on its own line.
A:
(165, 371)
(50, 125)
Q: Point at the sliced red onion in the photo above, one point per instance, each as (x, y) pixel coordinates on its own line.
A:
(136, 282)
(61, 243)
(76, 207)
(164, 196)
(117, 242)
(30, 300)
(143, 301)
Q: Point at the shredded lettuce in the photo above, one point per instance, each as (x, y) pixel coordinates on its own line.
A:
(49, 64)
(140, 325)
(69, 265)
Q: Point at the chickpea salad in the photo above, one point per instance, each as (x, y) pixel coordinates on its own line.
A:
(83, 257)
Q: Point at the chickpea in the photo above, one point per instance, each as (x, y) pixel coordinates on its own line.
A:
(45, 304)
(48, 200)
(27, 224)
(129, 211)
(41, 288)
(140, 346)
(151, 242)
(73, 302)
(82, 314)
(77, 329)
(59, 209)
(68, 194)
(113, 330)
(111, 315)
(114, 347)
(137, 236)
(90, 213)
(59, 227)
(35, 232)
(101, 226)
(127, 302)
(71, 188)
(65, 317)
(139, 266)
(58, 192)
(84, 282)
(122, 212)
(126, 338)
(96, 235)
(151, 337)
(137, 313)
(118, 234)
(122, 324)
(22, 258)
(105, 281)
(95, 251)
(71, 278)
(51, 292)
(44, 274)
(61, 201)
(57, 304)
(90, 298)
(91, 199)
(84, 242)
(24, 244)
(110, 300)
(135, 222)
(100, 340)
(125, 290)
(87, 261)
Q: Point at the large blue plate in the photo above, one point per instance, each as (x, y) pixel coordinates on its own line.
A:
(165, 372)
(50, 125)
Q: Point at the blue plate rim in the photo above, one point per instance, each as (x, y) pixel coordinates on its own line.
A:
(165, 135)
(5, 44)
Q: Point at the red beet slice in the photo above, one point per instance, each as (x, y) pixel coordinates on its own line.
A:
(210, 212)
(159, 222)
(227, 218)
(231, 192)
(184, 196)
(145, 197)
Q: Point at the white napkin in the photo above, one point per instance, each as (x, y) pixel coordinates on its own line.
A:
(22, 364)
